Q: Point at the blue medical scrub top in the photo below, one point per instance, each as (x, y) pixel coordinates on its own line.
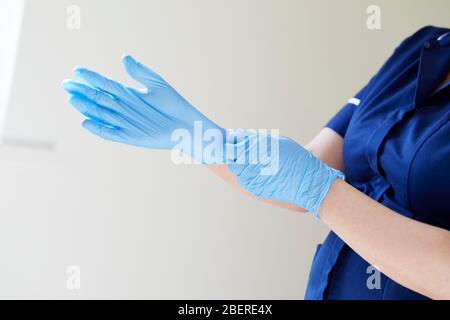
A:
(396, 150)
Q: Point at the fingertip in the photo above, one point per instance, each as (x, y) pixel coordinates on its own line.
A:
(67, 84)
(129, 62)
(78, 103)
(72, 86)
(78, 70)
(72, 99)
(89, 125)
(65, 81)
(127, 58)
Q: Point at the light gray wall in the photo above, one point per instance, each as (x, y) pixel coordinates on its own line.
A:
(137, 225)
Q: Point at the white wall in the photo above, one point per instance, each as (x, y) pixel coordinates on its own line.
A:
(138, 226)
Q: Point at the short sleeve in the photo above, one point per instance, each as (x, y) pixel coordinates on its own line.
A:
(339, 123)
(411, 45)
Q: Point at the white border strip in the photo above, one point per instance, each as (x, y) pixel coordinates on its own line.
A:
(354, 101)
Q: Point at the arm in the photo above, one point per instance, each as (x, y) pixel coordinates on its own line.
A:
(422, 263)
(374, 231)
(377, 233)
(327, 146)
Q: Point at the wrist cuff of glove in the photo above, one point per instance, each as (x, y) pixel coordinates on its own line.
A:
(314, 194)
(334, 174)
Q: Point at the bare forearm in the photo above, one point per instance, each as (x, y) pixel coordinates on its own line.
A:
(225, 174)
(378, 234)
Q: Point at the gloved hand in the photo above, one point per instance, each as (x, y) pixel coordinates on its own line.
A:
(145, 118)
(149, 118)
(283, 171)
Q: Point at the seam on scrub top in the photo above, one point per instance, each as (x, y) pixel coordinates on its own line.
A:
(368, 146)
(321, 287)
(386, 284)
(414, 158)
(331, 273)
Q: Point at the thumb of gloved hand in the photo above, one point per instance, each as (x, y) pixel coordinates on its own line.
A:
(141, 73)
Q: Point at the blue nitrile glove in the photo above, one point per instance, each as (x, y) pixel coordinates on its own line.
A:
(145, 118)
(278, 168)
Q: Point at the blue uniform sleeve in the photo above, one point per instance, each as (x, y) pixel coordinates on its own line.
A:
(339, 123)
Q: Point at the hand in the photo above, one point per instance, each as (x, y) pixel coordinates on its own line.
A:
(278, 168)
(145, 118)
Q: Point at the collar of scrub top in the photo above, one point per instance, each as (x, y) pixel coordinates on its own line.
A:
(434, 66)
(441, 38)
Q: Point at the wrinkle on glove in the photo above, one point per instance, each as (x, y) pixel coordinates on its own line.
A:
(288, 173)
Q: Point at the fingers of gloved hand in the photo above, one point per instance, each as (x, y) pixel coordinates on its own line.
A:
(142, 74)
(133, 114)
(104, 132)
(96, 112)
(95, 95)
(107, 85)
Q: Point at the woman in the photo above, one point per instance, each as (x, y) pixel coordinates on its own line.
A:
(389, 209)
